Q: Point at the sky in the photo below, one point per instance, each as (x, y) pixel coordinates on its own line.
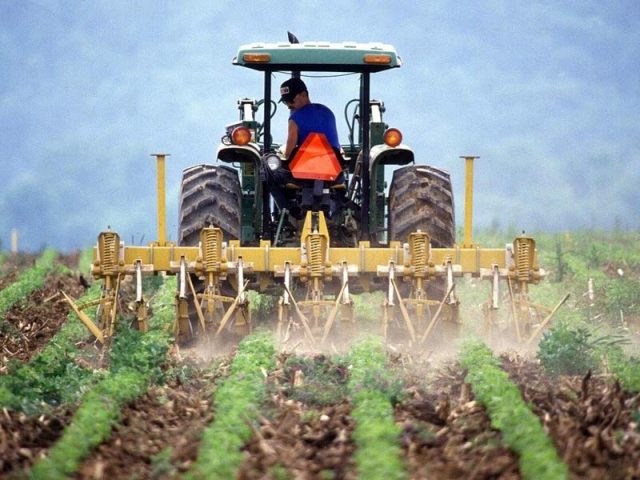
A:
(547, 93)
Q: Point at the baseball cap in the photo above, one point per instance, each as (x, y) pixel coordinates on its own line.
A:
(291, 88)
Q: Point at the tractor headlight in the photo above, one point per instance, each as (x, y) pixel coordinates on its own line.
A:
(273, 161)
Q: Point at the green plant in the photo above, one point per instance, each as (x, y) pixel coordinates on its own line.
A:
(325, 381)
(55, 375)
(85, 261)
(568, 350)
(366, 306)
(520, 428)
(133, 366)
(626, 369)
(376, 434)
(161, 466)
(236, 403)
(262, 306)
(279, 472)
(29, 281)
(575, 349)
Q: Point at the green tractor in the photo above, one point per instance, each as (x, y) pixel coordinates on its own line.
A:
(233, 196)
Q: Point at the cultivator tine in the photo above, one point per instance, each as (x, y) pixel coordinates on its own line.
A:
(405, 313)
(495, 288)
(334, 311)
(451, 286)
(84, 318)
(196, 303)
(490, 308)
(182, 327)
(141, 305)
(546, 320)
(389, 302)
(284, 304)
(515, 307)
(243, 315)
(346, 304)
(303, 318)
(231, 309)
(114, 310)
(436, 316)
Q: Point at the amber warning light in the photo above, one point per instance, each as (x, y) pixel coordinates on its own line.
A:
(241, 136)
(257, 57)
(393, 137)
(377, 59)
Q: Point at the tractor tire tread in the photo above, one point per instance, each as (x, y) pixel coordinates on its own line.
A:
(209, 195)
(421, 198)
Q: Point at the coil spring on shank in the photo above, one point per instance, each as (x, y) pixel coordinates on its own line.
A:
(109, 255)
(316, 261)
(419, 254)
(211, 247)
(522, 261)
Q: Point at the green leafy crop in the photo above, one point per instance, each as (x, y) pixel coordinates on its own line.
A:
(136, 360)
(29, 281)
(54, 375)
(376, 434)
(236, 404)
(520, 428)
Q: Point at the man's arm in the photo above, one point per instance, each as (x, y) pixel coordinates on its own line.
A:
(292, 138)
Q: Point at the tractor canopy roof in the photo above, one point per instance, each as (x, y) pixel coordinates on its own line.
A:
(318, 56)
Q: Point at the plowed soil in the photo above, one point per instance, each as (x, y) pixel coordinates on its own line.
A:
(447, 434)
(305, 427)
(158, 434)
(592, 421)
(29, 325)
(24, 439)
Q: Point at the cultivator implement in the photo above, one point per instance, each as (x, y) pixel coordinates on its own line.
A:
(315, 268)
(316, 281)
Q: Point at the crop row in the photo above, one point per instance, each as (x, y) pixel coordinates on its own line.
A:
(54, 375)
(376, 434)
(136, 361)
(520, 427)
(29, 281)
(236, 403)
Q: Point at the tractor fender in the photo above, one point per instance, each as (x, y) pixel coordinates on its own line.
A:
(239, 153)
(385, 155)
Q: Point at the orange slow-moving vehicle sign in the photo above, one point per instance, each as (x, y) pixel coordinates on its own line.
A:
(315, 160)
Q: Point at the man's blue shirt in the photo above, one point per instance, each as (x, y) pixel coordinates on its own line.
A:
(315, 117)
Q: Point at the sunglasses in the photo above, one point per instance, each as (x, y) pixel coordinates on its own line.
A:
(290, 102)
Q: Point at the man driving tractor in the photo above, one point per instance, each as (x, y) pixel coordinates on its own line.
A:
(305, 118)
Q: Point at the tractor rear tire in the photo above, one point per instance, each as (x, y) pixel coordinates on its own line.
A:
(421, 198)
(210, 195)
